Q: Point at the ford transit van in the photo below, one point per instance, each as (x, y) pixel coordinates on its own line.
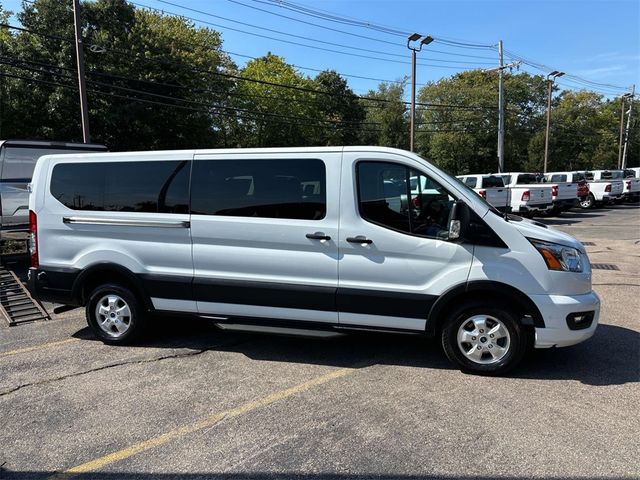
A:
(341, 238)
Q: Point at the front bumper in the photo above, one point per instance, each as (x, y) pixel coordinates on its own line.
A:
(555, 309)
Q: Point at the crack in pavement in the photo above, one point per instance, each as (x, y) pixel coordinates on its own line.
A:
(119, 364)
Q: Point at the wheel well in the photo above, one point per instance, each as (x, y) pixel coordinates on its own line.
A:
(86, 283)
(500, 294)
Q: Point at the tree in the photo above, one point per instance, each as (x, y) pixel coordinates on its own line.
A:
(153, 81)
(458, 129)
(339, 106)
(583, 134)
(387, 121)
(272, 115)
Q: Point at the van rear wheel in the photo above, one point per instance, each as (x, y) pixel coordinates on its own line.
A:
(484, 340)
(114, 314)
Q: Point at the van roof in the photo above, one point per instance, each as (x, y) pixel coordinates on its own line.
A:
(52, 144)
(169, 153)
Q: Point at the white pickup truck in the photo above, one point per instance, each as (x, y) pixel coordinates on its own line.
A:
(528, 197)
(564, 191)
(489, 187)
(631, 180)
(605, 186)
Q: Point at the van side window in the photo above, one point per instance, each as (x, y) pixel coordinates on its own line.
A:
(471, 182)
(291, 188)
(149, 186)
(558, 178)
(403, 199)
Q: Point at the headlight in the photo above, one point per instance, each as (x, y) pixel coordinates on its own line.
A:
(559, 257)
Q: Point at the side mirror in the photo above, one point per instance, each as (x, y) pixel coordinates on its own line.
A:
(459, 220)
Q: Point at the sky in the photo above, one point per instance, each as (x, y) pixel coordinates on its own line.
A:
(592, 41)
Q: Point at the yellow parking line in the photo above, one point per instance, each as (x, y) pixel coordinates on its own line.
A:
(38, 347)
(206, 422)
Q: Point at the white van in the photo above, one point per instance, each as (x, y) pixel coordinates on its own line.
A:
(304, 237)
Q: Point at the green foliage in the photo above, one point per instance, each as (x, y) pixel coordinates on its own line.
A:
(157, 82)
(283, 117)
(340, 107)
(133, 40)
(387, 118)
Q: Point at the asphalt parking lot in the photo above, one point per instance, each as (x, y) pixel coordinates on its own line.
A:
(195, 402)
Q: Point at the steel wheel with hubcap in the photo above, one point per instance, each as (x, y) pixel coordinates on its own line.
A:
(114, 314)
(485, 339)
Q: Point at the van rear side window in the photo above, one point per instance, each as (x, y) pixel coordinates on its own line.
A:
(151, 186)
(291, 188)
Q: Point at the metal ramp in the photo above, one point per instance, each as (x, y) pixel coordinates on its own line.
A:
(16, 303)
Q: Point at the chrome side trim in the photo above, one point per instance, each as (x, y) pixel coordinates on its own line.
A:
(126, 223)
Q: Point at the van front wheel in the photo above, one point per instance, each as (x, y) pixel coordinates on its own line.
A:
(484, 340)
(114, 314)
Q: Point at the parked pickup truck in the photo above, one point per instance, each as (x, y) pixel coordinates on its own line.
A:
(564, 192)
(527, 196)
(605, 186)
(574, 177)
(631, 190)
(489, 187)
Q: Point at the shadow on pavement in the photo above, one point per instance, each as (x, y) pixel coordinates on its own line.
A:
(611, 357)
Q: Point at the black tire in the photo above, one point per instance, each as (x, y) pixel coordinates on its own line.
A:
(131, 321)
(515, 345)
(588, 202)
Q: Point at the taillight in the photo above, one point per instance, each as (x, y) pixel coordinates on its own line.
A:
(33, 238)
(554, 190)
(607, 188)
(525, 196)
(483, 193)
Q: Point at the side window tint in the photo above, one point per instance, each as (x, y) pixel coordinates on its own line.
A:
(161, 187)
(294, 189)
(399, 198)
(382, 193)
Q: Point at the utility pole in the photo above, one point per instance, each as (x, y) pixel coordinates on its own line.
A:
(424, 40)
(82, 87)
(550, 79)
(500, 110)
(626, 135)
(622, 99)
(501, 67)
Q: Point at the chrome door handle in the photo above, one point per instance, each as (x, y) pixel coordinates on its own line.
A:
(360, 239)
(317, 236)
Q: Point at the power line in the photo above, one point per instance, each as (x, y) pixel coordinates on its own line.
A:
(329, 16)
(372, 39)
(304, 38)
